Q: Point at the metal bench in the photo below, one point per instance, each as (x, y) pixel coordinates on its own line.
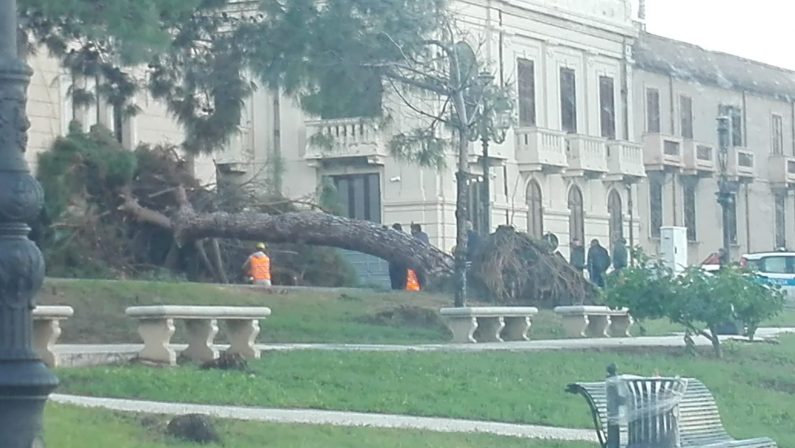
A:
(697, 420)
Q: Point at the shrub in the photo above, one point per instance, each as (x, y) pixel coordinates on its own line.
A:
(702, 302)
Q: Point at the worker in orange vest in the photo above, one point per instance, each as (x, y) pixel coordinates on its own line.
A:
(258, 267)
(412, 281)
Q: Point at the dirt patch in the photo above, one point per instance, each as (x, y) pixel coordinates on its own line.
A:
(406, 316)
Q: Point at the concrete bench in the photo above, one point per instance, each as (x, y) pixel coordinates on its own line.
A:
(156, 326)
(489, 324)
(595, 321)
(47, 329)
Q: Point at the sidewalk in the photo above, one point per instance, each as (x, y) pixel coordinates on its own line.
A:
(87, 355)
(334, 418)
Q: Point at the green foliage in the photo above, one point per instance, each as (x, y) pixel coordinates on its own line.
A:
(204, 56)
(700, 301)
(420, 146)
(79, 177)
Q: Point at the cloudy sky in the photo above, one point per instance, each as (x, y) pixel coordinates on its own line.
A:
(763, 30)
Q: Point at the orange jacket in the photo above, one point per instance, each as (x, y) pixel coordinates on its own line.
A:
(412, 281)
(259, 267)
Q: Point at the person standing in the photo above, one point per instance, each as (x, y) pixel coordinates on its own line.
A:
(398, 272)
(416, 232)
(620, 254)
(577, 257)
(258, 266)
(415, 277)
(598, 263)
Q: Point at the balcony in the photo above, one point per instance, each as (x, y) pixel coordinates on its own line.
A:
(540, 149)
(344, 139)
(741, 163)
(238, 152)
(587, 155)
(662, 151)
(782, 170)
(698, 158)
(625, 160)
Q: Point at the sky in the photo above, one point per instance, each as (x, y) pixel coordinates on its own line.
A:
(762, 30)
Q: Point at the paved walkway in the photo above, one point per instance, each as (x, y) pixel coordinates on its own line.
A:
(334, 418)
(85, 355)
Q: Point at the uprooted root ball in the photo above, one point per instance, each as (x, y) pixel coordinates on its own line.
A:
(517, 269)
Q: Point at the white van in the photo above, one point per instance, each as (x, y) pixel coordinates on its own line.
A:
(777, 268)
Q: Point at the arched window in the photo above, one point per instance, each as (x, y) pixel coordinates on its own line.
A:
(577, 216)
(614, 208)
(535, 210)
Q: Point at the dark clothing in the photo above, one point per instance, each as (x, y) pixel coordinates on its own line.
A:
(473, 244)
(598, 263)
(577, 258)
(398, 276)
(422, 236)
(620, 257)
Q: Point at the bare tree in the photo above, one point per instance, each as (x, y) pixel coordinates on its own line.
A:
(444, 88)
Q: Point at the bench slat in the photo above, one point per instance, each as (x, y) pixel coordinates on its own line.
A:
(699, 420)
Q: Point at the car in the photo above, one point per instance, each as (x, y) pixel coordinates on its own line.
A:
(776, 268)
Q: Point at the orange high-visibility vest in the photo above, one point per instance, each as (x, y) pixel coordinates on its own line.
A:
(412, 282)
(260, 267)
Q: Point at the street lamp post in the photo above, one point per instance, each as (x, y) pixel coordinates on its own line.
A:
(491, 126)
(25, 382)
(725, 192)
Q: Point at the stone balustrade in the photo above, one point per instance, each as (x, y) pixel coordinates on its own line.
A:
(47, 330)
(156, 327)
(595, 321)
(489, 324)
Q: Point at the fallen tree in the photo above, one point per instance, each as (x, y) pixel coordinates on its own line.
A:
(309, 227)
(135, 213)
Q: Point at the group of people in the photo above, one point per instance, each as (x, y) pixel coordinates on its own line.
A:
(598, 259)
(401, 277)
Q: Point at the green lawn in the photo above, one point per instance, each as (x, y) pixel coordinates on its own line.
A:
(342, 316)
(754, 385)
(70, 427)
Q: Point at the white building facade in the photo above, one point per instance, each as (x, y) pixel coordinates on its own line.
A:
(681, 90)
(567, 168)
(615, 136)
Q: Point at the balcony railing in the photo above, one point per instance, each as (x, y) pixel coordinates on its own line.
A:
(661, 151)
(344, 138)
(625, 159)
(741, 163)
(698, 157)
(782, 169)
(540, 149)
(238, 153)
(586, 154)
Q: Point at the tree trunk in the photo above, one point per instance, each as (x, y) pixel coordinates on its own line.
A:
(715, 340)
(218, 261)
(315, 228)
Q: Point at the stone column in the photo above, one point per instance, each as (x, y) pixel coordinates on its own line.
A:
(25, 382)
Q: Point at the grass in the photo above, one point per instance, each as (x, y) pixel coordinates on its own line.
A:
(360, 316)
(299, 316)
(754, 385)
(71, 427)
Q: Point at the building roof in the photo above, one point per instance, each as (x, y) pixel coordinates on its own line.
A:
(691, 62)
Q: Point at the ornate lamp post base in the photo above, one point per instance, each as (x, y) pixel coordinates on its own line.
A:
(25, 382)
